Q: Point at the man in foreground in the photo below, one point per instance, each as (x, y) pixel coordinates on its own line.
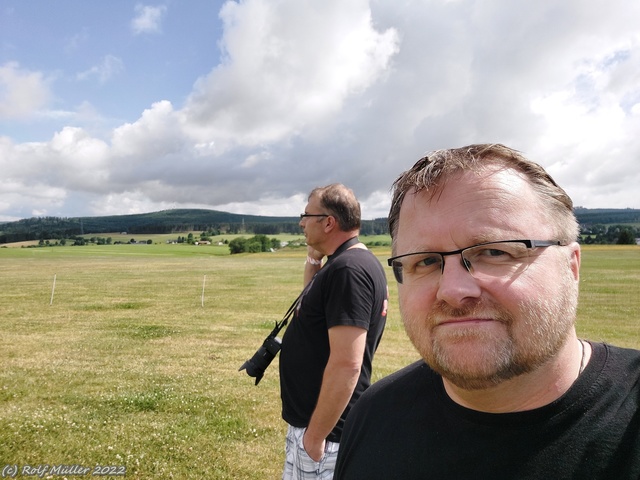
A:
(487, 264)
(328, 348)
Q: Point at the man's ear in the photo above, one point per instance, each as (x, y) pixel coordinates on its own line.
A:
(574, 260)
(331, 224)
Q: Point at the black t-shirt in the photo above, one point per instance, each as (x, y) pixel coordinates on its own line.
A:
(350, 289)
(406, 427)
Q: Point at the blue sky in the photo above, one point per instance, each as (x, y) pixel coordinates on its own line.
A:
(117, 56)
(120, 107)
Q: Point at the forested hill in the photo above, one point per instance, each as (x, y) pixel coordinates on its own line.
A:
(607, 216)
(185, 220)
(166, 221)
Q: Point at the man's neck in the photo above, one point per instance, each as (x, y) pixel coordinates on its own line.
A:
(337, 241)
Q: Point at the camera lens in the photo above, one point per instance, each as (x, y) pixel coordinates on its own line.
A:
(257, 364)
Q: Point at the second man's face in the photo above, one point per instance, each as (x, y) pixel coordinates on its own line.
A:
(313, 226)
(479, 333)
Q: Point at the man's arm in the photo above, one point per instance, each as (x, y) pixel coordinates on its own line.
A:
(339, 380)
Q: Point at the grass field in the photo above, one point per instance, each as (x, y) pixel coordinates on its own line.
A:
(133, 358)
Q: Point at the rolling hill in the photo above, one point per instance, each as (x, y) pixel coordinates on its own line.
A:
(185, 220)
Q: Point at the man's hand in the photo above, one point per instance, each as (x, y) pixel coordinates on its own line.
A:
(312, 265)
(314, 254)
(314, 449)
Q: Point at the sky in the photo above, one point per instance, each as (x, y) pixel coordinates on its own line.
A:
(116, 107)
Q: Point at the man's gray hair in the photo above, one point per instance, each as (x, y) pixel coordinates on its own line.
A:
(341, 203)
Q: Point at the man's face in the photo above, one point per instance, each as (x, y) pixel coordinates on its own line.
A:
(313, 227)
(477, 333)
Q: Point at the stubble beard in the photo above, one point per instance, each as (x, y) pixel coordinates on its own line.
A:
(478, 358)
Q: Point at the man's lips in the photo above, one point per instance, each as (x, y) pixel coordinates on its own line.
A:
(464, 321)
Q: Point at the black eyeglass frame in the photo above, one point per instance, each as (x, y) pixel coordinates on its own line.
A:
(305, 215)
(393, 261)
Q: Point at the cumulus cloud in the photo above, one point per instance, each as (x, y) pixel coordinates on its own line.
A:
(148, 19)
(22, 92)
(72, 159)
(355, 92)
(287, 69)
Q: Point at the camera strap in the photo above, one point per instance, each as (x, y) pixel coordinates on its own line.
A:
(287, 316)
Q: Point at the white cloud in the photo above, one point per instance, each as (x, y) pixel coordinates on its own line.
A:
(376, 205)
(30, 196)
(71, 160)
(109, 67)
(126, 203)
(288, 67)
(148, 19)
(76, 41)
(154, 133)
(22, 92)
(356, 92)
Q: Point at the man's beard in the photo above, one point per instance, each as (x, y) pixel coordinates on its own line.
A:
(475, 358)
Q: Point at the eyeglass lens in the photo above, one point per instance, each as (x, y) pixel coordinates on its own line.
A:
(498, 259)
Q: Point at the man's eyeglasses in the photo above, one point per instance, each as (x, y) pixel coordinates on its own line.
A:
(485, 260)
(305, 215)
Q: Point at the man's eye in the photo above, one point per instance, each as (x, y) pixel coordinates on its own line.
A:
(494, 252)
(429, 261)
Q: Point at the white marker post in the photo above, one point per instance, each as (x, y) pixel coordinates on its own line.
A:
(204, 280)
(53, 289)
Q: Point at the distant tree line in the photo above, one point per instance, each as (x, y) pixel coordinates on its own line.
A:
(80, 241)
(597, 225)
(255, 244)
(612, 234)
(191, 239)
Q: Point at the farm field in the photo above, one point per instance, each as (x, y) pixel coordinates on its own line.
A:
(128, 355)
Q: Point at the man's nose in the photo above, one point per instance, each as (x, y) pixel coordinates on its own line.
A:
(456, 284)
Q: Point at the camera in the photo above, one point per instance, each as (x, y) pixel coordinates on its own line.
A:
(257, 364)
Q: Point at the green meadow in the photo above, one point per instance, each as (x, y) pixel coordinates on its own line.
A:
(128, 355)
